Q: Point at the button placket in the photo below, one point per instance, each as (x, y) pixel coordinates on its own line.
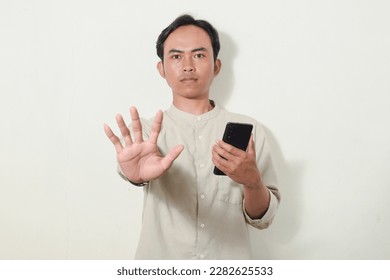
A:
(201, 163)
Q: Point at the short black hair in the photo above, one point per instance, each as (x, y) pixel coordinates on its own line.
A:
(188, 20)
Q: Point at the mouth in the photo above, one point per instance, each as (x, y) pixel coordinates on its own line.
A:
(188, 79)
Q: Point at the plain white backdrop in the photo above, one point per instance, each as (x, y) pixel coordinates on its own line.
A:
(315, 73)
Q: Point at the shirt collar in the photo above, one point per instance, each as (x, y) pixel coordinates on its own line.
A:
(176, 113)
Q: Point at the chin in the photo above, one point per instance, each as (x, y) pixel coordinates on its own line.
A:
(191, 93)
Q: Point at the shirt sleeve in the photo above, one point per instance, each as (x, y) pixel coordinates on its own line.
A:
(269, 177)
(268, 217)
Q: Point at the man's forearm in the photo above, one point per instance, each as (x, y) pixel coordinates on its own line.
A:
(257, 200)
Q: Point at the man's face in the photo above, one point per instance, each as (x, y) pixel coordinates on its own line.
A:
(188, 65)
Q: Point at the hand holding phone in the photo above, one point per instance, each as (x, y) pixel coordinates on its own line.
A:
(237, 135)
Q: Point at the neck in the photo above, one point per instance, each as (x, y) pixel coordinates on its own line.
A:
(193, 106)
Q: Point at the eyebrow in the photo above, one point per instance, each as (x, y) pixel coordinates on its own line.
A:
(194, 50)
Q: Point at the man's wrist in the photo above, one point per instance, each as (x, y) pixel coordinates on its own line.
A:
(255, 184)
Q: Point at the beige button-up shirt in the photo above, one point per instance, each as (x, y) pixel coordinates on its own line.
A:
(190, 213)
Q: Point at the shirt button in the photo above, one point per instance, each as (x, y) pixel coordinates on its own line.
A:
(202, 196)
(201, 165)
(202, 225)
(201, 256)
(199, 118)
(200, 137)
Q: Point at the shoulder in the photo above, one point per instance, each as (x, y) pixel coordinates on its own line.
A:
(228, 116)
(237, 117)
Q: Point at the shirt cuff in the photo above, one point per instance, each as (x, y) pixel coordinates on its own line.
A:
(266, 220)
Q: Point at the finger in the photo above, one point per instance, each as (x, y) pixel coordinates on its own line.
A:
(229, 148)
(220, 162)
(136, 125)
(171, 156)
(156, 127)
(113, 138)
(221, 152)
(124, 129)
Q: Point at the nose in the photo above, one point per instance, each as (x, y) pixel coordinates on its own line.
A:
(188, 69)
(188, 66)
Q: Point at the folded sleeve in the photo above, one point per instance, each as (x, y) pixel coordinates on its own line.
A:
(266, 220)
(267, 170)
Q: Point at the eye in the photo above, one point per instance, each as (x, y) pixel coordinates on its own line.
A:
(199, 55)
(176, 56)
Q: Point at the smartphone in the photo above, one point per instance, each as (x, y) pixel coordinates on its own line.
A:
(237, 135)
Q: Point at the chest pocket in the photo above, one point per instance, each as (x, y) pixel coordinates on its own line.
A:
(229, 191)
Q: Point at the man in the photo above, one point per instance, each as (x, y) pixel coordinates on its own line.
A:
(190, 213)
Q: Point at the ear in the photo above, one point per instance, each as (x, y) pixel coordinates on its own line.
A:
(160, 68)
(217, 66)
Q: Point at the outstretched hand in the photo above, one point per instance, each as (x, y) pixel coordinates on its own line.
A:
(139, 159)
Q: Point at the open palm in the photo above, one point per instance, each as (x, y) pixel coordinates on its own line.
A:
(140, 160)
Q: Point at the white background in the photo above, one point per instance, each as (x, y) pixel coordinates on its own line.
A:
(315, 73)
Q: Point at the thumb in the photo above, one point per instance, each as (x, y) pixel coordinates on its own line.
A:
(171, 156)
(251, 146)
